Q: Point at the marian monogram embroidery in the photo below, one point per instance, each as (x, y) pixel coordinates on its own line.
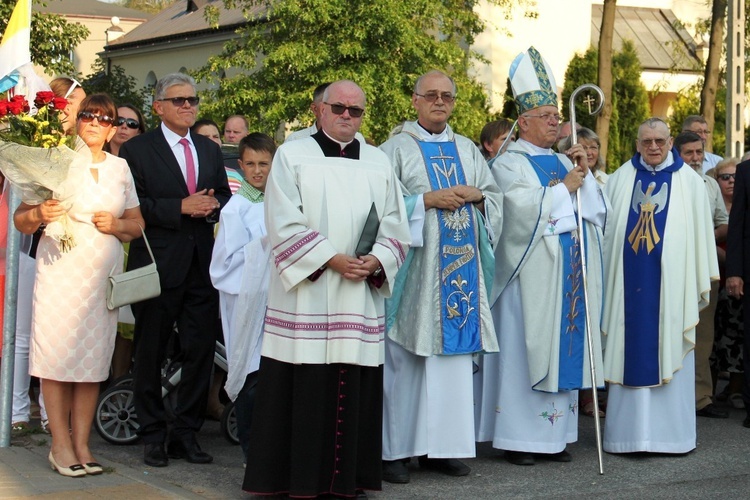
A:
(644, 234)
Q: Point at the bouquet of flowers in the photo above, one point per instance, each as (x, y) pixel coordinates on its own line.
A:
(39, 159)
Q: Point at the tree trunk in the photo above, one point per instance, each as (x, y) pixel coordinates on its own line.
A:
(605, 73)
(711, 74)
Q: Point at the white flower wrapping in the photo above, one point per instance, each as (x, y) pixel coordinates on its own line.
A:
(43, 174)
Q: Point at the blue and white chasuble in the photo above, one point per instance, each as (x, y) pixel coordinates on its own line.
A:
(459, 267)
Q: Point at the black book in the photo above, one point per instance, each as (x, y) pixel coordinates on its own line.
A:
(369, 233)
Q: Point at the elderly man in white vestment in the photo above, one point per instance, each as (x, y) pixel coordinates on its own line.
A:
(339, 232)
(660, 259)
(439, 314)
(529, 405)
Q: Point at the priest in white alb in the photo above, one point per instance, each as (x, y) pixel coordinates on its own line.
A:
(660, 260)
(529, 402)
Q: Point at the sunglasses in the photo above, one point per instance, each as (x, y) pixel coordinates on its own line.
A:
(447, 97)
(726, 177)
(127, 121)
(88, 117)
(660, 142)
(72, 88)
(180, 101)
(338, 109)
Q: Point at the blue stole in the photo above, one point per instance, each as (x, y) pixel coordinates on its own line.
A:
(551, 171)
(459, 266)
(641, 269)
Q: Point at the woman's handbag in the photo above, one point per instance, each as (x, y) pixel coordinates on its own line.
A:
(136, 285)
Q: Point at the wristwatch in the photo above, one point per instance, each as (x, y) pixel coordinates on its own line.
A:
(480, 201)
(377, 271)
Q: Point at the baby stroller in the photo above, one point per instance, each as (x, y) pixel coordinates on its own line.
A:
(116, 420)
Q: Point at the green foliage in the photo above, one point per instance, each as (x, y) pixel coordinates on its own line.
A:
(630, 106)
(52, 39)
(688, 103)
(152, 6)
(383, 45)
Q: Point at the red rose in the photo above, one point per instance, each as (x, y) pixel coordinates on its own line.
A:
(3, 108)
(18, 106)
(43, 98)
(59, 103)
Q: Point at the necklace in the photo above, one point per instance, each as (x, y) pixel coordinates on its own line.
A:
(554, 179)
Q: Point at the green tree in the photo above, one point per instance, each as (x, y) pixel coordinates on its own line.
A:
(52, 39)
(121, 87)
(688, 103)
(152, 6)
(629, 99)
(383, 45)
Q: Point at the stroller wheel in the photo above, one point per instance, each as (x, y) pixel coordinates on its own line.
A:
(229, 424)
(115, 418)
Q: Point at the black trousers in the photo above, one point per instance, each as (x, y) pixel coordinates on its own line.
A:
(194, 307)
(746, 348)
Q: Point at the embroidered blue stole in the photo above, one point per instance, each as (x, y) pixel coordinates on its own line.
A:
(459, 265)
(573, 313)
(642, 254)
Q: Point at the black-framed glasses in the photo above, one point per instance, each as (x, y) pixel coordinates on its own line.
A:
(726, 177)
(88, 117)
(180, 101)
(660, 142)
(446, 97)
(546, 117)
(131, 123)
(338, 109)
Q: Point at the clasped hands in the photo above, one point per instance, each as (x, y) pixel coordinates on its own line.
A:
(574, 178)
(200, 204)
(354, 268)
(452, 198)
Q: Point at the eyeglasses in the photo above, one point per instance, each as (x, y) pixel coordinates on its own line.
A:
(338, 109)
(660, 142)
(88, 117)
(726, 177)
(127, 121)
(546, 117)
(180, 101)
(72, 88)
(447, 97)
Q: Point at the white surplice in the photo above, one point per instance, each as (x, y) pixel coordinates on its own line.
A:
(233, 263)
(320, 205)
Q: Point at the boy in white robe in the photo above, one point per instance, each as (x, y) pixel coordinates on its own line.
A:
(239, 271)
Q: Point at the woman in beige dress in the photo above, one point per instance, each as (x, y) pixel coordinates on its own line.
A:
(73, 332)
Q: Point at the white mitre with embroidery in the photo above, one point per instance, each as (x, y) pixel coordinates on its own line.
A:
(532, 81)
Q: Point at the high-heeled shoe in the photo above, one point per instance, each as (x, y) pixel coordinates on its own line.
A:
(93, 468)
(75, 470)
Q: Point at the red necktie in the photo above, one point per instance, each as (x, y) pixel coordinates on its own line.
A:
(189, 165)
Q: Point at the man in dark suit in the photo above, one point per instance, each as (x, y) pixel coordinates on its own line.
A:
(738, 264)
(180, 179)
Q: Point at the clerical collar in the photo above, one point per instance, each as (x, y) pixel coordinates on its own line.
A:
(331, 147)
(535, 150)
(428, 136)
(250, 192)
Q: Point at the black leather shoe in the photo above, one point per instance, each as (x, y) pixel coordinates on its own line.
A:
(448, 466)
(519, 457)
(563, 456)
(154, 455)
(711, 411)
(189, 449)
(746, 423)
(395, 471)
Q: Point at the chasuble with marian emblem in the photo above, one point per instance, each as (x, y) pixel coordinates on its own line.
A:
(661, 258)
